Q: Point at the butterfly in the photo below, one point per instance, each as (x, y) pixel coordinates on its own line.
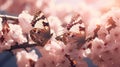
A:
(40, 33)
(70, 37)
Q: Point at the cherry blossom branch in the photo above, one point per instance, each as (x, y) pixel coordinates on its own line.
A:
(20, 46)
(8, 17)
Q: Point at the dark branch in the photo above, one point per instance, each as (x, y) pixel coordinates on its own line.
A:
(8, 17)
(71, 60)
(20, 46)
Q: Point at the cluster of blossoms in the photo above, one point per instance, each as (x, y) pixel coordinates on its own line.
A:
(87, 30)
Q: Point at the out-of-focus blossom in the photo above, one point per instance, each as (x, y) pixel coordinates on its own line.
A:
(16, 34)
(25, 59)
(56, 25)
(6, 5)
(24, 21)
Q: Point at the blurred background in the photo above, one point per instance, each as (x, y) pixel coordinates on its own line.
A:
(15, 7)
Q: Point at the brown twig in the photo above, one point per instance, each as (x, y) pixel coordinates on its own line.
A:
(8, 17)
(71, 60)
(20, 46)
